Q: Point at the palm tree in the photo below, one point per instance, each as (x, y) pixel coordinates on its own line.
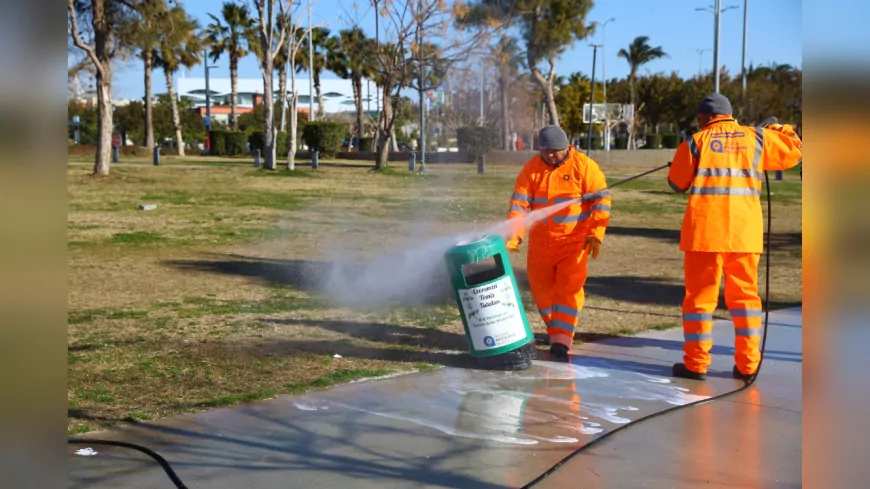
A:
(639, 53)
(508, 60)
(353, 58)
(323, 44)
(141, 32)
(179, 46)
(230, 36)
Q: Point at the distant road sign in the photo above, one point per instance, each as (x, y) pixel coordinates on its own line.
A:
(206, 121)
(116, 139)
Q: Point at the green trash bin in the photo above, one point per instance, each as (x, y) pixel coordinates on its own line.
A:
(489, 301)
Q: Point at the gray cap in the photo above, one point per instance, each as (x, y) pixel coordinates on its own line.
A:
(553, 137)
(715, 103)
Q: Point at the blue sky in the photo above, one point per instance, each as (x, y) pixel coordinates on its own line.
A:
(774, 35)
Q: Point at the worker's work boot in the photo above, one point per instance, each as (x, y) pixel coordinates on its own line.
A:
(680, 370)
(745, 377)
(558, 352)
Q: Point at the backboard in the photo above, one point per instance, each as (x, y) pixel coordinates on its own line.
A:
(614, 113)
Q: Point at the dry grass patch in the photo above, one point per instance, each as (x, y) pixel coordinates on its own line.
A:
(215, 297)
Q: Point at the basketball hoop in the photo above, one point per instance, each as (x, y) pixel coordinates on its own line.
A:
(609, 115)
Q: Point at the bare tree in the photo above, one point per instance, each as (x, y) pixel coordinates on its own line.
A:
(407, 22)
(547, 27)
(269, 48)
(81, 68)
(92, 26)
(293, 42)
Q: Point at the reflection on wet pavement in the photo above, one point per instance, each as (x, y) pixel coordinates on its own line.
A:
(550, 402)
(445, 428)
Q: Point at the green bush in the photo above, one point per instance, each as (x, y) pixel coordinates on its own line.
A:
(620, 142)
(257, 140)
(597, 142)
(282, 144)
(218, 142)
(653, 141)
(227, 143)
(474, 141)
(324, 137)
(670, 140)
(365, 144)
(235, 143)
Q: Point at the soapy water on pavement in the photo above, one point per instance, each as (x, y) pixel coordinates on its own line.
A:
(413, 275)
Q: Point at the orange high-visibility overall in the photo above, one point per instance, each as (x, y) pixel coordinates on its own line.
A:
(721, 167)
(556, 263)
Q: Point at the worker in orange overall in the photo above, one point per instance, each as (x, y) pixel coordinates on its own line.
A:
(721, 168)
(559, 245)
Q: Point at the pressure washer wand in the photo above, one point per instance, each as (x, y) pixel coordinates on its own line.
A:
(629, 179)
(596, 194)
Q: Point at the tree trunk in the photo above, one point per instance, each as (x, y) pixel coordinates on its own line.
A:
(384, 135)
(269, 112)
(320, 111)
(234, 88)
(282, 96)
(356, 81)
(294, 125)
(546, 85)
(294, 120)
(100, 55)
(104, 121)
(173, 106)
(149, 106)
(631, 144)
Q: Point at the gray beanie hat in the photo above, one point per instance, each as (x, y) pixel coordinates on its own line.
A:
(715, 103)
(553, 137)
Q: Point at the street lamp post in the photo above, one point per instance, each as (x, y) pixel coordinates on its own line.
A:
(377, 143)
(604, 80)
(310, 66)
(743, 61)
(717, 11)
(592, 99)
(207, 67)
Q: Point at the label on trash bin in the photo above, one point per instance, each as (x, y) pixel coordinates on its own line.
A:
(492, 314)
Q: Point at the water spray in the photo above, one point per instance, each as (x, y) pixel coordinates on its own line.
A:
(507, 287)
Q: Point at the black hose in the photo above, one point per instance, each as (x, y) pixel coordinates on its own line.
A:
(160, 460)
(180, 485)
(616, 184)
(580, 450)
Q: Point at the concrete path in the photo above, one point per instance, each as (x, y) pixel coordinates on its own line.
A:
(749, 439)
(476, 429)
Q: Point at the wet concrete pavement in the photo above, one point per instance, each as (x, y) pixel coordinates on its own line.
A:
(477, 429)
(749, 439)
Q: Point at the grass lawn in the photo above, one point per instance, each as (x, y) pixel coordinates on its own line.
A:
(216, 297)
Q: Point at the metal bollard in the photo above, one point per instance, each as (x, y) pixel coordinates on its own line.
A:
(156, 155)
(412, 161)
(114, 154)
(480, 164)
(314, 159)
(256, 158)
(779, 175)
